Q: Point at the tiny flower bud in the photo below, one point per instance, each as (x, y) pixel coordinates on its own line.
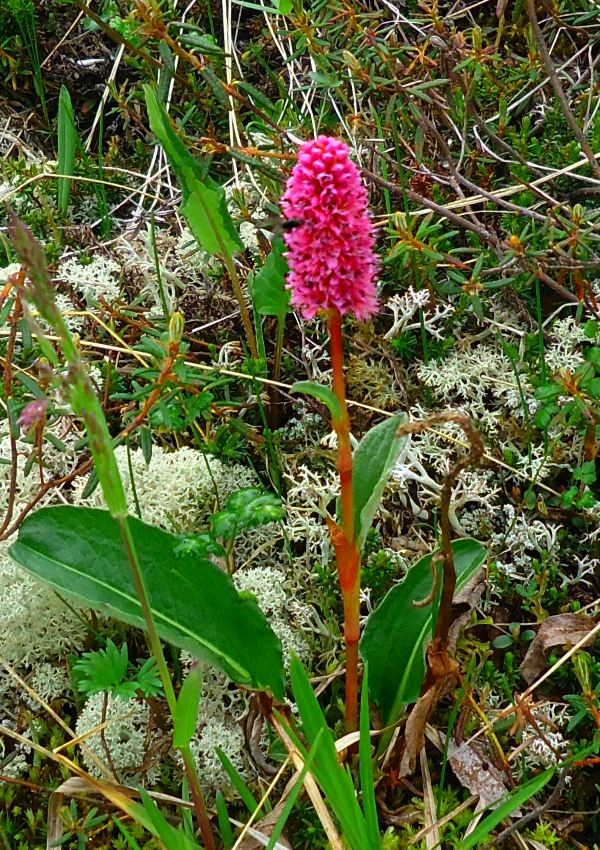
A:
(176, 328)
(32, 414)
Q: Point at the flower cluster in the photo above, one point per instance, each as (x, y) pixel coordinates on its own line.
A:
(330, 250)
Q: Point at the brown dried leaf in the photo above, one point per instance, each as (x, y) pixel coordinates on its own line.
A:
(432, 838)
(476, 773)
(472, 768)
(414, 731)
(559, 630)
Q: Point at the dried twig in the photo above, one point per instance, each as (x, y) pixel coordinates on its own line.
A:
(558, 89)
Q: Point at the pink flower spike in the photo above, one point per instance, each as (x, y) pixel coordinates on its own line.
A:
(330, 249)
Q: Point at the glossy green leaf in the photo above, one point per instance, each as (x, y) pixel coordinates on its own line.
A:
(514, 801)
(185, 718)
(67, 140)
(396, 633)
(372, 463)
(79, 552)
(322, 394)
(269, 294)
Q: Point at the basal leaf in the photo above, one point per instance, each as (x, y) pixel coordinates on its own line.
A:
(396, 633)
(335, 780)
(79, 552)
(67, 139)
(185, 718)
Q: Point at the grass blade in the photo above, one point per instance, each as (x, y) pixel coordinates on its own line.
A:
(520, 796)
(67, 141)
(365, 764)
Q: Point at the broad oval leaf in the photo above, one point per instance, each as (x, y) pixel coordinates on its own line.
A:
(79, 551)
(396, 634)
(372, 463)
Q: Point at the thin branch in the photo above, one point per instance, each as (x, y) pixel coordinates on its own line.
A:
(558, 89)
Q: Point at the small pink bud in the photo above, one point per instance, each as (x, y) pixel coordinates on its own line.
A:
(32, 414)
(330, 250)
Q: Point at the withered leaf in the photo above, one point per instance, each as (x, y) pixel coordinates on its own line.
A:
(476, 773)
(472, 768)
(559, 630)
(414, 731)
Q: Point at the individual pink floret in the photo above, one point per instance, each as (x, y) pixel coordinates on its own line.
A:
(330, 251)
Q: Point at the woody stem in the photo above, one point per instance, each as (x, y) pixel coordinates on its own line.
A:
(346, 551)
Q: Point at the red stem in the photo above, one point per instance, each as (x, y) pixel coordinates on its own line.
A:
(344, 540)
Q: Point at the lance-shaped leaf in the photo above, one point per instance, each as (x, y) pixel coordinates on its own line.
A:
(79, 551)
(67, 140)
(397, 633)
(204, 206)
(372, 463)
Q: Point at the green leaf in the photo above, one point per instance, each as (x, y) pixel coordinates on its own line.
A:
(246, 508)
(372, 463)
(335, 780)
(185, 718)
(102, 669)
(67, 139)
(150, 816)
(283, 7)
(237, 781)
(520, 796)
(323, 394)
(503, 642)
(269, 294)
(396, 634)
(203, 211)
(223, 818)
(204, 205)
(79, 552)
(365, 764)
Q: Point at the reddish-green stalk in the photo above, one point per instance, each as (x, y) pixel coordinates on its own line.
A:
(344, 537)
